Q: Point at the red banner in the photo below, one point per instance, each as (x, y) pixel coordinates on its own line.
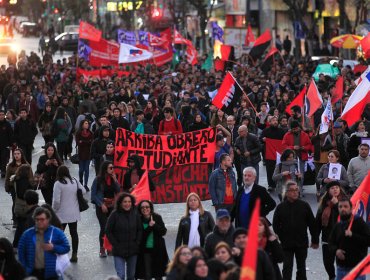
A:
(100, 73)
(273, 146)
(103, 53)
(160, 152)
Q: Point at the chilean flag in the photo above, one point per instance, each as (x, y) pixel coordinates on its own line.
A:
(363, 75)
(313, 99)
(357, 102)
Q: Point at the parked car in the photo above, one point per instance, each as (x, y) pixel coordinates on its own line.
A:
(64, 41)
(29, 29)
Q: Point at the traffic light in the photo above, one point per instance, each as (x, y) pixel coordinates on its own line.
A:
(56, 11)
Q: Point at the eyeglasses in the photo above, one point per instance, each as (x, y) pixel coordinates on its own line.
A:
(145, 207)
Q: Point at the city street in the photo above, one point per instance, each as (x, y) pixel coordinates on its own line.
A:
(90, 266)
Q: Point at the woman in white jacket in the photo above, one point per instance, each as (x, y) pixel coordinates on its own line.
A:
(65, 204)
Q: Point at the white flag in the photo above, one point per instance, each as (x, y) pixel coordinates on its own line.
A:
(326, 117)
(130, 54)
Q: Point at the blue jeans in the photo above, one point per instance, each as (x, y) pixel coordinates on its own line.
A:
(121, 264)
(343, 271)
(83, 171)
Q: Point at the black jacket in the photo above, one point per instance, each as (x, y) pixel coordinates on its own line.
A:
(25, 132)
(206, 225)
(6, 134)
(127, 177)
(12, 271)
(49, 172)
(355, 246)
(124, 231)
(333, 219)
(276, 254)
(251, 144)
(121, 122)
(158, 254)
(290, 223)
(215, 237)
(267, 203)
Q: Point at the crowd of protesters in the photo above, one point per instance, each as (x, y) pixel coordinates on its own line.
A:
(46, 97)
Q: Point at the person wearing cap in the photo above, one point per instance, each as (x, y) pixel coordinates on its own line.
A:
(142, 125)
(223, 231)
(292, 218)
(298, 140)
(246, 199)
(297, 116)
(222, 185)
(169, 125)
(326, 218)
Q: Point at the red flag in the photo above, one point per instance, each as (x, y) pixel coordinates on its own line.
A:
(249, 265)
(297, 101)
(141, 191)
(361, 198)
(104, 53)
(225, 52)
(313, 99)
(363, 268)
(219, 65)
(260, 45)
(155, 40)
(191, 54)
(249, 37)
(269, 59)
(89, 32)
(272, 147)
(178, 39)
(338, 91)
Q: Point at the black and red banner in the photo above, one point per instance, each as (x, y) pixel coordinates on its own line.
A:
(269, 60)
(228, 95)
(178, 164)
(260, 45)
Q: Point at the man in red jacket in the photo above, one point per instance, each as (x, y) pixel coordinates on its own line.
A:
(300, 143)
(169, 125)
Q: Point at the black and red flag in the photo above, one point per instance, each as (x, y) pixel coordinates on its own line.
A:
(269, 60)
(260, 45)
(228, 95)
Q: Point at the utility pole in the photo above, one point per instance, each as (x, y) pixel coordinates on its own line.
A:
(247, 12)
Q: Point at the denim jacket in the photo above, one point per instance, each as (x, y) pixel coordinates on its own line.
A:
(97, 194)
(217, 185)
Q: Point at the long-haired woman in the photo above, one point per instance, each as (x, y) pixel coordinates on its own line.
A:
(65, 204)
(47, 170)
(84, 139)
(326, 219)
(63, 126)
(195, 224)
(104, 189)
(177, 267)
(22, 181)
(45, 124)
(17, 160)
(124, 231)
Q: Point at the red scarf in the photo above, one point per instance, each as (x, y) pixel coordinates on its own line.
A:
(108, 180)
(262, 242)
(85, 133)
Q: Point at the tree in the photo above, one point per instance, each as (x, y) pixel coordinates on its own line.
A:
(297, 10)
(204, 15)
(79, 9)
(33, 9)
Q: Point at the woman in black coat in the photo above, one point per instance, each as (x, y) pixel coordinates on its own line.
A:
(124, 231)
(10, 268)
(47, 171)
(153, 258)
(194, 212)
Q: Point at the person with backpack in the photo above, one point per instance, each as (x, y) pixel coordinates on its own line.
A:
(169, 125)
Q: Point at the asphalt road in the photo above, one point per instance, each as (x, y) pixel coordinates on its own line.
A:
(89, 265)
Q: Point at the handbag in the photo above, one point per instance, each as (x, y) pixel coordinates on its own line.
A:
(75, 159)
(62, 262)
(82, 202)
(20, 205)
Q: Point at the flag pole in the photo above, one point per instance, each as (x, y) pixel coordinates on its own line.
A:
(353, 215)
(250, 102)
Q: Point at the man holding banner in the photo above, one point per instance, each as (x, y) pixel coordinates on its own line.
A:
(350, 240)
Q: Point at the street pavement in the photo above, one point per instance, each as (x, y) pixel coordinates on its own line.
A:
(89, 265)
